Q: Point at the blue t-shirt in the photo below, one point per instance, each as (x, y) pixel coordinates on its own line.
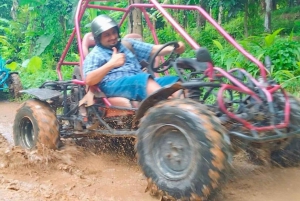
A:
(100, 56)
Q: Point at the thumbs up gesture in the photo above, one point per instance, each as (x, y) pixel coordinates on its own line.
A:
(117, 59)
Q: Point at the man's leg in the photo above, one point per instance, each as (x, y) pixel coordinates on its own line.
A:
(119, 101)
(137, 87)
(152, 86)
(167, 80)
(134, 88)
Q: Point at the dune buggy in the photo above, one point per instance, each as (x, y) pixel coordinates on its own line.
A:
(9, 81)
(184, 146)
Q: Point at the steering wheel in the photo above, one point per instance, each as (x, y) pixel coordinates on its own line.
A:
(169, 59)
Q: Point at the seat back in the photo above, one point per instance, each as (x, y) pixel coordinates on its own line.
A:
(87, 43)
(134, 36)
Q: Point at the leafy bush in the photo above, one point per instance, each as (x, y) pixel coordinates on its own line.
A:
(287, 17)
(284, 54)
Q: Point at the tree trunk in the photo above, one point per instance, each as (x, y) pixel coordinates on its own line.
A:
(246, 15)
(267, 23)
(135, 19)
(262, 6)
(14, 8)
(274, 3)
(201, 21)
(220, 15)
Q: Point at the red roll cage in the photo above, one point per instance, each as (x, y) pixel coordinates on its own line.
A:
(210, 72)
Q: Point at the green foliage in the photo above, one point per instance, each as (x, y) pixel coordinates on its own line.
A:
(34, 64)
(270, 38)
(12, 66)
(32, 2)
(3, 40)
(36, 39)
(236, 27)
(41, 44)
(218, 44)
(284, 54)
(287, 17)
(5, 6)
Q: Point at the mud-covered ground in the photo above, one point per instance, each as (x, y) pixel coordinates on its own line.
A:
(91, 173)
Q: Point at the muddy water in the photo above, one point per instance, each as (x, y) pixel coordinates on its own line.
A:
(7, 113)
(89, 173)
(73, 173)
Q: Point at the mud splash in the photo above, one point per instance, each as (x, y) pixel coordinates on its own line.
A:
(96, 168)
(16, 157)
(105, 169)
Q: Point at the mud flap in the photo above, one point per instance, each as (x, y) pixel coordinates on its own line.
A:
(42, 94)
(161, 94)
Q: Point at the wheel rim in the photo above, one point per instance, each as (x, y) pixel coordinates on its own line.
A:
(171, 151)
(27, 133)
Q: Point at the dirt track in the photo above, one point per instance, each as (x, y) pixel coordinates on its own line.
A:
(77, 173)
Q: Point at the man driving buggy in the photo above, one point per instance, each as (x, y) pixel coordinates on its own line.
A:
(116, 69)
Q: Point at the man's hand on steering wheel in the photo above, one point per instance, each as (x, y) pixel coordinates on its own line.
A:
(181, 48)
(170, 52)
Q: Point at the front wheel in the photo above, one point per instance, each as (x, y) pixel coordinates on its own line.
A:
(36, 125)
(183, 150)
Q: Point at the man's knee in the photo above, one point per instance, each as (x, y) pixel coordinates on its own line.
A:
(152, 86)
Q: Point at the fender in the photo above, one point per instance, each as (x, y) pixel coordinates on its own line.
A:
(161, 94)
(42, 93)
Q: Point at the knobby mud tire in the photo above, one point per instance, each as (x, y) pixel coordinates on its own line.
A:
(290, 155)
(15, 86)
(183, 150)
(35, 126)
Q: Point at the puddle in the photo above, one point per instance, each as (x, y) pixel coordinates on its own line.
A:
(6, 131)
(7, 115)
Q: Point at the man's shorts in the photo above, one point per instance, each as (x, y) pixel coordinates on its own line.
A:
(133, 87)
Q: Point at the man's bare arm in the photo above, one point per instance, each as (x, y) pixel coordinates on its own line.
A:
(168, 49)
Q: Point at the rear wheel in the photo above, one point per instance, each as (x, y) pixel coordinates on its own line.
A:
(290, 155)
(15, 85)
(183, 150)
(36, 125)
